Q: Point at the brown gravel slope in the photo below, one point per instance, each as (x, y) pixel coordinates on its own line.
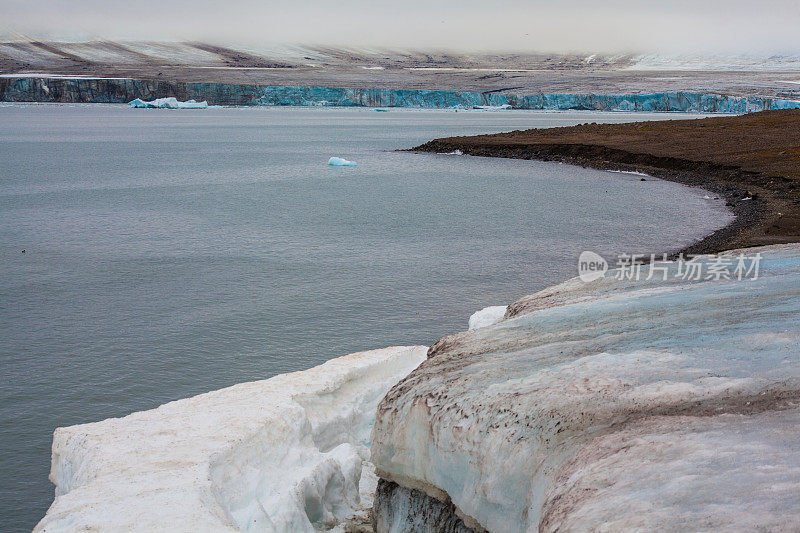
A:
(753, 156)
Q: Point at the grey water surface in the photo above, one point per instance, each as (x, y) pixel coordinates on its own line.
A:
(172, 252)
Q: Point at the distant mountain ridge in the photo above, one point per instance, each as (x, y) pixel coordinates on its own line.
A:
(526, 73)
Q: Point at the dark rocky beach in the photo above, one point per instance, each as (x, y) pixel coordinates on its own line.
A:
(752, 160)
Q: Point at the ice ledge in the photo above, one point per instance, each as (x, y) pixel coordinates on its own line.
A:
(282, 454)
(614, 404)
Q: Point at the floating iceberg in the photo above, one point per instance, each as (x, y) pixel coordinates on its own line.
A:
(339, 162)
(168, 103)
(492, 107)
(613, 405)
(282, 454)
(487, 316)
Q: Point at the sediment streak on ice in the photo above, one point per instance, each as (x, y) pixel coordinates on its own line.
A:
(282, 454)
(614, 404)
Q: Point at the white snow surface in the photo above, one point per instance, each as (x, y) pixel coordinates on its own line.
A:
(340, 162)
(717, 62)
(168, 103)
(613, 405)
(55, 76)
(487, 316)
(282, 454)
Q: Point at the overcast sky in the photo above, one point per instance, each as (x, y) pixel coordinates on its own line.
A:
(675, 26)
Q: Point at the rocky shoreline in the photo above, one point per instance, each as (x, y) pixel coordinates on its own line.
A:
(750, 160)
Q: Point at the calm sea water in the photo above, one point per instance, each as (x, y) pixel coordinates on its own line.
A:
(169, 253)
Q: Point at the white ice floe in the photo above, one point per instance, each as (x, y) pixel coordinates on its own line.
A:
(613, 405)
(282, 454)
(492, 107)
(339, 162)
(631, 172)
(487, 316)
(168, 103)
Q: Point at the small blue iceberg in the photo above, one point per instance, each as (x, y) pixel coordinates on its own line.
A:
(339, 162)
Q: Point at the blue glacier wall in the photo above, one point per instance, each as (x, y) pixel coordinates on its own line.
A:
(125, 90)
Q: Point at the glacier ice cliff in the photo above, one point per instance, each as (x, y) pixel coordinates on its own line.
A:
(282, 454)
(610, 405)
(121, 90)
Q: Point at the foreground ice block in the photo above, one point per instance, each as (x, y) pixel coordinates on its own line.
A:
(282, 454)
(487, 316)
(168, 103)
(610, 405)
(339, 162)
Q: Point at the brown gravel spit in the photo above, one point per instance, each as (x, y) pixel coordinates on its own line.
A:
(755, 156)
